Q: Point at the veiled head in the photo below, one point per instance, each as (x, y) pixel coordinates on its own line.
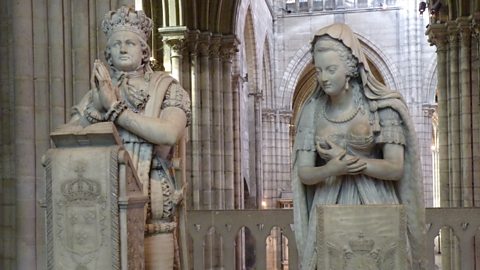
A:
(344, 35)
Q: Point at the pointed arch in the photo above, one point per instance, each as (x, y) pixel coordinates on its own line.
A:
(267, 88)
(430, 82)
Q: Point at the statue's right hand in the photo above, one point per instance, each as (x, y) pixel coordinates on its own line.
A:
(346, 165)
(94, 85)
(104, 95)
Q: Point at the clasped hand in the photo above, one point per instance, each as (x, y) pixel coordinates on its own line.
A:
(337, 158)
(103, 92)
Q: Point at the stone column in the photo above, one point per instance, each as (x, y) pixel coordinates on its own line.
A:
(465, 113)
(438, 36)
(206, 121)
(227, 50)
(195, 139)
(268, 157)
(454, 119)
(258, 96)
(284, 149)
(7, 169)
(41, 117)
(426, 143)
(217, 127)
(56, 60)
(475, 53)
(24, 140)
(175, 44)
(239, 181)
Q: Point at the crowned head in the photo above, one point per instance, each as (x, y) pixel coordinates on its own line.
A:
(121, 26)
(127, 19)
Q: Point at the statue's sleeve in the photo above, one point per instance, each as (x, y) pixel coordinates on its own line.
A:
(392, 129)
(176, 96)
(305, 130)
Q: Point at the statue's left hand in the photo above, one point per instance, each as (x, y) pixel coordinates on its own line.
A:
(328, 149)
(106, 92)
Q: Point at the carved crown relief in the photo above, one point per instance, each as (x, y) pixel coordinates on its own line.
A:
(81, 217)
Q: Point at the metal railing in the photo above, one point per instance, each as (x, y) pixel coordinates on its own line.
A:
(228, 224)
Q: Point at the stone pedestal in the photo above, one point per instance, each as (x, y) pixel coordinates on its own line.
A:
(95, 204)
(361, 237)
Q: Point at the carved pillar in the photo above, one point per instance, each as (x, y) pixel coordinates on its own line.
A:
(217, 127)
(284, 149)
(454, 119)
(438, 36)
(195, 139)
(239, 181)
(255, 142)
(8, 225)
(269, 157)
(24, 137)
(465, 112)
(475, 73)
(227, 50)
(427, 164)
(206, 114)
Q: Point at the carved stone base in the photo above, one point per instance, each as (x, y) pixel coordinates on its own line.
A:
(363, 237)
(159, 251)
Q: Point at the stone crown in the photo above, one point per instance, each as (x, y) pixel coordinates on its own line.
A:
(361, 244)
(81, 189)
(127, 19)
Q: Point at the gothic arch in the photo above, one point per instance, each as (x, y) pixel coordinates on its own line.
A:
(250, 56)
(291, 75)
(268, 94)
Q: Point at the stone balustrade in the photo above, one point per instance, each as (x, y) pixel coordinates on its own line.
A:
(230, 225)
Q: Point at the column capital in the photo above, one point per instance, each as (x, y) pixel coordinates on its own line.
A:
(192, 37)
(228, 48)
(204, 43)
(215, 44)
(476, 26)
(176, 44)
(429, 109)
(437, 35)
(174, 38)
(453, 33)
(464, 29)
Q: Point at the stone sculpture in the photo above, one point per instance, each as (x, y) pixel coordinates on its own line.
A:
(355, 144)
(151, 111)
